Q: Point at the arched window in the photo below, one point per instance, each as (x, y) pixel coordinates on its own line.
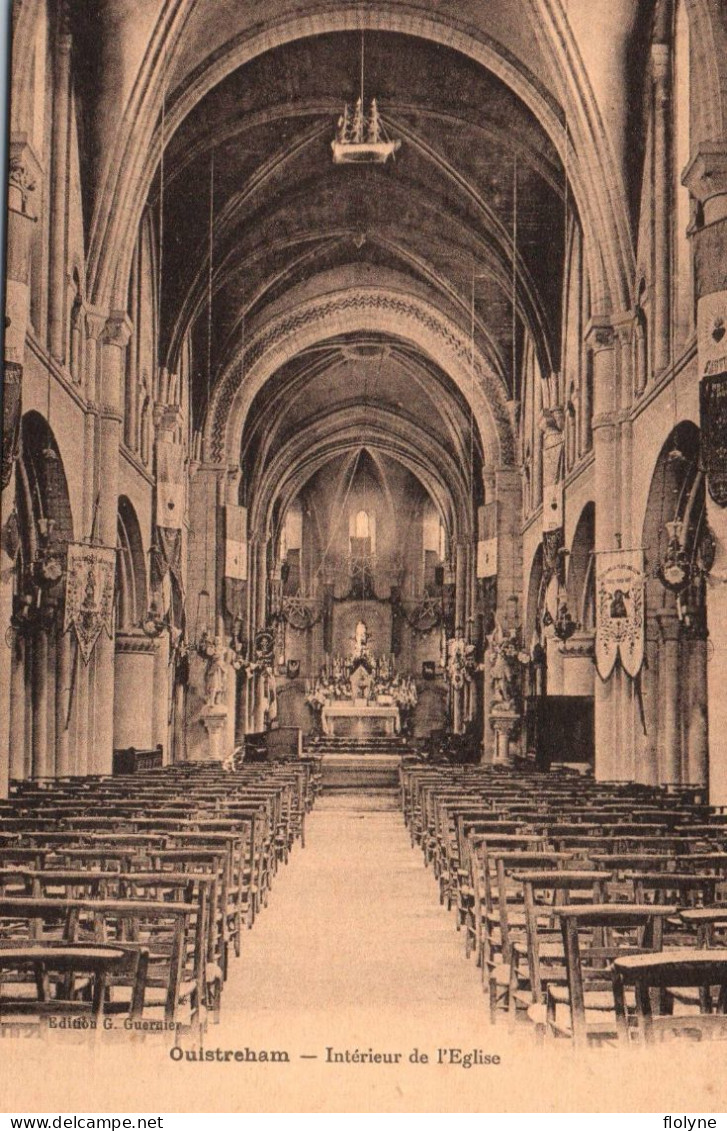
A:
(131, 596)
(362, 533)
(291, 548)
(362, 526)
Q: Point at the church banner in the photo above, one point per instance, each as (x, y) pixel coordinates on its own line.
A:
(712, 354)
(620, 611)
(236, 542)
(90, 579)
(170, 485)
(552, 507)
(713, 423)
(11, 396)
(487, 558)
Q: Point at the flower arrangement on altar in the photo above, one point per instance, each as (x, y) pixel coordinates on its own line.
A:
(317, 699)
(399, 691)
(461, 662)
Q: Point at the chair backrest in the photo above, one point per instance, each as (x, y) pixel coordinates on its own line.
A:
(593, 936)
(696, 969)
(544, 893)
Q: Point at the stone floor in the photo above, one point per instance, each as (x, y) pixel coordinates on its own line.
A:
(353, 955)
(354, 924)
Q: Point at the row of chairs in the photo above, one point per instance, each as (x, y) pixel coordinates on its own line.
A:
(556, 881)
(162, 871)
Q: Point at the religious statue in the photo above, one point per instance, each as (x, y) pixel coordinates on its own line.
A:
(214, 652)
(506, 674)
(361, 637)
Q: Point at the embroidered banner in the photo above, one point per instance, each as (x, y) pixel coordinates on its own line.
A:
(170, 485)
(236, 542)
(11, 394)
(713, 422)
(620, 611)
(90, 581)
(552, 507)
(487, 558)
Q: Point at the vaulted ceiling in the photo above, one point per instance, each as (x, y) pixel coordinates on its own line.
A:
(469, 218)
(439, 214)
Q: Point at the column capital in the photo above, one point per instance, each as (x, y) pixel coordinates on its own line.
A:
(600, 334)
(96, 320)
(624, 325)
(117, 330)
(706, 174)
(551, 422)
(603, 420)
(24, 172)
(167, 417)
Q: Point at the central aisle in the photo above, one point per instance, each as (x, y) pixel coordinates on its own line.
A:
(354, 925)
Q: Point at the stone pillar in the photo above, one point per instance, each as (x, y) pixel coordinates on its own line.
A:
(64, 675)
(19, 231)
(134, 690)
(161, 704)
(670, 745)
(600, 341)
(647, 762)
(706, 179)
(661, 69)
(57, 289)
(113, 345)
(39, 699)
(697, 770)
(508, 487)
(17, 707)
(577, 658)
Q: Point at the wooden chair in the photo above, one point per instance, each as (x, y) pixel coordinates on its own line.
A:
(594, 935)
(654, 977)
(55, 971)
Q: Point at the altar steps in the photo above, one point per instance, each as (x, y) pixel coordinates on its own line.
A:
(361, 765)
(374, 744)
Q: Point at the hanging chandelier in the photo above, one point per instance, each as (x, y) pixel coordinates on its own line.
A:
(361, 138)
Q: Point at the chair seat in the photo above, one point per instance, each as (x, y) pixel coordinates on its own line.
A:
(500, 974)
(594, 999)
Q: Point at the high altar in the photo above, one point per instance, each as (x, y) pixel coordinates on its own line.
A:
(356, 719)
(361, 698)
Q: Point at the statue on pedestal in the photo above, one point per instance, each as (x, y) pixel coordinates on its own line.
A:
(215, 654)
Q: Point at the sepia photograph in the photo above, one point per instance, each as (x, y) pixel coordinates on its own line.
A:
(363, 557)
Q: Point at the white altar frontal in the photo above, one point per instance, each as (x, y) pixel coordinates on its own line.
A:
(349, 719)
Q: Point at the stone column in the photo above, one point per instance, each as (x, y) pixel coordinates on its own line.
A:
(161, 704)
(17, 707)
(697, 739)
(578, 670)
(647, 762)
(600, 341)
(57, 289)
(39, 698)
(64, 674)
(134, 690)
(17, 302)
(113, 346)
(661, 69)
(670, 744)
(706, 178)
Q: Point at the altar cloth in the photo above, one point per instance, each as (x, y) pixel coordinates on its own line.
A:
(359, 721)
